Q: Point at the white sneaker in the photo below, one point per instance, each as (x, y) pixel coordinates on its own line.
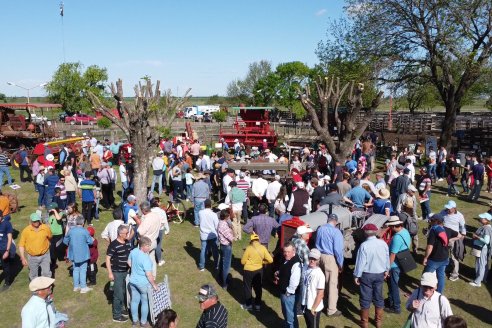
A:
(85, 290)
(76, 289)
(454, 278)
(161, 263)
(440, 179)
(472, 283)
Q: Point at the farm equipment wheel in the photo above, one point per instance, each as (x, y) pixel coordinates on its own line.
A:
(175, 211)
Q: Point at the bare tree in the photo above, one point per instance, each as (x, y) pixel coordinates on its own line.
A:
(323, 108)
(135, 122)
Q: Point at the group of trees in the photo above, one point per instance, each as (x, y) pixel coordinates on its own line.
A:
(425, 52)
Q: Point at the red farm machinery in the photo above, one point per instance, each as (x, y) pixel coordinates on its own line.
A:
(251, 127)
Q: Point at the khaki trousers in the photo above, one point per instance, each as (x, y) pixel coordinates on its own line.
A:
(330, 268)
(236, 224)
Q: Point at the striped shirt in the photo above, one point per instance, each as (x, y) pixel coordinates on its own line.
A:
(243, 185)
(224, 230)
(119, 253)
(4, 159)
(213, 317)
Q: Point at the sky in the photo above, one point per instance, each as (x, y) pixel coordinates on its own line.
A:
(202, 45)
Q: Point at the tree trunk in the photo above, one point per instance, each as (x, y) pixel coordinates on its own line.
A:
(141, 174)
(448, 126)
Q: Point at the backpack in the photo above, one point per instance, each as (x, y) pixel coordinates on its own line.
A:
(18, 158)
(410, 223)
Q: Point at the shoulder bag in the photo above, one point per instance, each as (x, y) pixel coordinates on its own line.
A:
(405, 259)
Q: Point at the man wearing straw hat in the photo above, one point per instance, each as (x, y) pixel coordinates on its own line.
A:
(382, 205)
(400, 242)
(38, 312)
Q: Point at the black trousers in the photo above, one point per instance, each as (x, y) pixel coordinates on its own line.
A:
(92, 272)
(25, 168)
(312, 321)
(108, 197)
(253, 279)
(87, 211)
(7, 267)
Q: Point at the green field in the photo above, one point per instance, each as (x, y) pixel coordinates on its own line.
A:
(181, 251)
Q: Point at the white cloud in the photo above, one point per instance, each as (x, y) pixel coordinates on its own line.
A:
(320, 12)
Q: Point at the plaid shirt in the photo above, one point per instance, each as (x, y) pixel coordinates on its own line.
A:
(263, 225)
(224, 230)
(302, 249)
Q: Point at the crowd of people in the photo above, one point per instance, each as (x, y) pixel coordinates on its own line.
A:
(306, 268)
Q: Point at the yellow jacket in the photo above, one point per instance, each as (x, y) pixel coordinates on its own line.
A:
(255, 256)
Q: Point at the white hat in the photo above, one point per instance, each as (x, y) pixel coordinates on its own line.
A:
(327, 177)
(277, 177)
(264, 140)
(451, 204)
(411, 188)
(267, 150)
(393, 220)
(236, 140)
(301, 230)
(40, 283)
(74, 135)
(84, 134)
(50, 157)
(301, 185)
(485, 216)
(429, 279)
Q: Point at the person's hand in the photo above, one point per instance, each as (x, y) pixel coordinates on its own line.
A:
(475, 236)
(340, 269)
(155, 287)
(111, 276)
(357, 282)
(24, 261)
(386, 275)
(415, 304)
(424, 262)
(5, 255)
(313, 312)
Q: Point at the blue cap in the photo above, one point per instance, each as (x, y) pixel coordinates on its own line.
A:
(485, 216)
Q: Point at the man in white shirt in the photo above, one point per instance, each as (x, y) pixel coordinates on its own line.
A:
(110, 232)
(150, 227)
(313, 289)
(209, 222)
(157, 169)
(454, 220)
(258, 188)
(228, 177)
(271, 194)
(124, 180)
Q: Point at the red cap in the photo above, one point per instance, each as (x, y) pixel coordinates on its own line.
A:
(370, 227)
(91, 230)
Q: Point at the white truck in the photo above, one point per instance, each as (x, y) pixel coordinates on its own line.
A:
(197, 112)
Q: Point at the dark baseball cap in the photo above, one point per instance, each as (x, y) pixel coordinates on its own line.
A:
(332, 216)
(206, 292)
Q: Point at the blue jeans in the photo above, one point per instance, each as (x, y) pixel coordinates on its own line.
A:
(393, 289)
(199, 205)
(371, 290)
(189, 187)
(158, 179)
(288, 310)
(139, 296)
(271, 209)
(124, 187)
(432, 171)
(119, 293)
(442, 167)
(225, 262)
(40, 194)
(158, 249)
(439, 268)
(80, 275)
(48, 197)
(206, 244)
(426, 210)
(5, 170)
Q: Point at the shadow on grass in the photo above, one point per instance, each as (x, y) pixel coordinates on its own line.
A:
(15, 267)
(483, 314)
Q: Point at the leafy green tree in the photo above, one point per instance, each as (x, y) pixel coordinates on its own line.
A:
(104, 123)
(3, 98)
(445, 43)
(70, 86)
(243, 90)
(214, 100)
(219, 116)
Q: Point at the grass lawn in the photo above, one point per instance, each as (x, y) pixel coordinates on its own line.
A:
(181, 251)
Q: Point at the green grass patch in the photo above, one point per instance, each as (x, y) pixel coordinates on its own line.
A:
(181, 251)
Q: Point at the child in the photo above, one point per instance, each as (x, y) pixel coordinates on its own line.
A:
(62, 199)
(94, 255)
(189, 183)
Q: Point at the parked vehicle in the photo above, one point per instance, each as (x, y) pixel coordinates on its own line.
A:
(63, 115)
(80, 119)
(197, 112)
(38, 119)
